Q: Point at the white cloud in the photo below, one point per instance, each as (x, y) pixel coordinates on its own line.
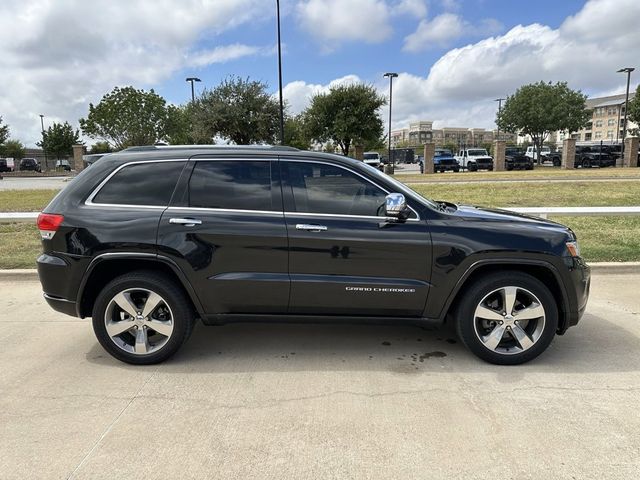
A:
(298, 94)
(445, 28)
(460, 88)
(222, 54)
(59, 56)
(417, 8)
(333, 22)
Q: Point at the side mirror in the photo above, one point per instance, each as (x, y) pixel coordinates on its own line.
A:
(395, 206)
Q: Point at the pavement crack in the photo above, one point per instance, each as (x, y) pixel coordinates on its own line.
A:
(111, 425)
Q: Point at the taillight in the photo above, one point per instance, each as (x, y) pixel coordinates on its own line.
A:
(48, 224)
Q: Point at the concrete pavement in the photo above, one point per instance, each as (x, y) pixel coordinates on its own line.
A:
(308, 401)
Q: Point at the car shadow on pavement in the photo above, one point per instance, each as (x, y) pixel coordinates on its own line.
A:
(595, 345)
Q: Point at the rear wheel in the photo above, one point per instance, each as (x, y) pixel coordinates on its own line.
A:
(142, 318)
(507, 318)
(586, 163)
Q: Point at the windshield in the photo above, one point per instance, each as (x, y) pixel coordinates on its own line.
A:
(442, 153)
(371, 156)
(401, 187)
(477, 152)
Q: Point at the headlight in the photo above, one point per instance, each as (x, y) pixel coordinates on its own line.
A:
(573, 248)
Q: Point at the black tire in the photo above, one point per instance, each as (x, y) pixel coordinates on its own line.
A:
(173, 296)
(456, 170)
(467, 324)
(472, 168)
(490, 169)
(557, 162)
(586, 163)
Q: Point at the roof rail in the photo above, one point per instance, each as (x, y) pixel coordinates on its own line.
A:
(143, 148)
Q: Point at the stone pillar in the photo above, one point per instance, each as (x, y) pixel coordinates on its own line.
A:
(568, 153)
(78, 152)
(631, 152)
(429, 152)
(499, 147)
(359, 152)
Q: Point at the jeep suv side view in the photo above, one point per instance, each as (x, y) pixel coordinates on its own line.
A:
(150, 239)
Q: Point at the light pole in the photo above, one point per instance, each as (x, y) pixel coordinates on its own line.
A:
(628, 71)
(193, 93)
(280, 76)
(391, 76)
(46, 160)
(499, 100)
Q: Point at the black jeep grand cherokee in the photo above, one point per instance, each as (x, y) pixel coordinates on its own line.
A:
(149, 239)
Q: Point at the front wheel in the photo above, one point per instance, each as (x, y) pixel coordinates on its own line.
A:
(507, 318)
(142, 318)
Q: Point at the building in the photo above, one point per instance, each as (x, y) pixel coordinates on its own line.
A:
(419, 133)
(607, 121)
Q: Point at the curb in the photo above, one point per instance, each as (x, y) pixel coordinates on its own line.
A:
(602, 268)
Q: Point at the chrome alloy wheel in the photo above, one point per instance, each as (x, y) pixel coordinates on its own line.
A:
(509, 320)
(139, 321)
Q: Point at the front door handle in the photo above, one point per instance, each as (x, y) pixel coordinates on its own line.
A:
(187, 222)
(311, 228)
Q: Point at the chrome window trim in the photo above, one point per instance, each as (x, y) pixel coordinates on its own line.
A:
(89, 201)
(227, 210)
(355, 173)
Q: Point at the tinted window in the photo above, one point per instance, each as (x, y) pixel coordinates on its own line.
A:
(141, 184)
(320, 188)
(237, 185)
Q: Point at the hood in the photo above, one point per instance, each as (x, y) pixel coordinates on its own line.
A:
(504, 216)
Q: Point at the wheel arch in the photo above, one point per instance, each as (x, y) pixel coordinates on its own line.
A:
(541, 270)
(106, 267)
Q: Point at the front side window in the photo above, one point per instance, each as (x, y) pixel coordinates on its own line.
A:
(236, 185)
(321, 188)
(145, 184)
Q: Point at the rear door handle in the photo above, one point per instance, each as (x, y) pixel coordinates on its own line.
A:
(311, 228)
(187, 222)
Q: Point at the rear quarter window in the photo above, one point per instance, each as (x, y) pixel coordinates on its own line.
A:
(149, 184)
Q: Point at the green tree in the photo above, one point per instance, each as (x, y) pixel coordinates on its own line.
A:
(13, 149)
(181, 128)
(126, 117)
(348, 114)
(100, 147)
(541, 108)
(238, 109)
(58, 140)
(4, 132)
(634, 112)
(295, 134)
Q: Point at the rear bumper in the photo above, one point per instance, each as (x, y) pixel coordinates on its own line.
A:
(61, 305)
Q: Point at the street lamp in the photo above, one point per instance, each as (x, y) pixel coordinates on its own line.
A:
(628, 71)
(191, 80)
(280, 76)
(391, 76)
(46, 160)
(499, 100)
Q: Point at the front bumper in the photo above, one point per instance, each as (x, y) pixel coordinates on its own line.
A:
(580, 275)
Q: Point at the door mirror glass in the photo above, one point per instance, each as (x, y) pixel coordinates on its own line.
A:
(396, 206)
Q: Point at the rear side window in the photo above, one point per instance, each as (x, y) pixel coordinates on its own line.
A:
(141, 184)
(236, 185)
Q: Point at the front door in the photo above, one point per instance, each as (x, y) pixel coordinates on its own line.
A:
(345, 258)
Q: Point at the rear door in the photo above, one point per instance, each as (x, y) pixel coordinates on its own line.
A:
(344, 257)
(226, 231)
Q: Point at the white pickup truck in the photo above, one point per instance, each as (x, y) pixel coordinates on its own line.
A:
(474, 159)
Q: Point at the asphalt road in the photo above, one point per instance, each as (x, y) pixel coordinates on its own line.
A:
(319, 402)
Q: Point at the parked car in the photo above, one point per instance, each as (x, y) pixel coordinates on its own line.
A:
(443, 160)
(553, 157)
(515, 159)
(63, 165)
(147, 241)
(474, 159)
(533, 154)
(4, 166)
(589, 156)
(373, 159)
(29, 164)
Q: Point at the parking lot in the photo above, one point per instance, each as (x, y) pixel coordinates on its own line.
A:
(319, 401)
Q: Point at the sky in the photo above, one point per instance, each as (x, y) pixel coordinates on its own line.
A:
(453, 57)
